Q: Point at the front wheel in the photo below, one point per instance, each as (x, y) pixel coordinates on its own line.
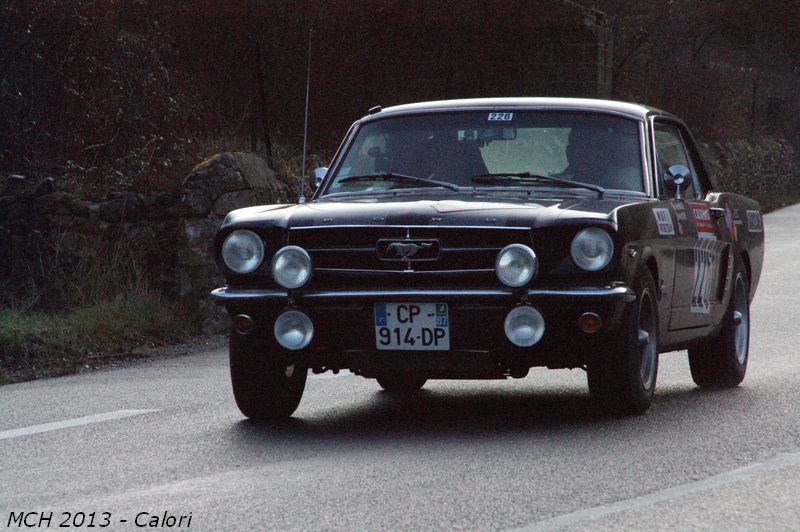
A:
(722, 361)
(622, 379)
(265, 385)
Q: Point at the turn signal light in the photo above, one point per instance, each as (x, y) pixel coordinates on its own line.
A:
(590, 322)
(243, 324)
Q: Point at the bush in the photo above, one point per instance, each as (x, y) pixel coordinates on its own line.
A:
(764, 169)
(81, 309)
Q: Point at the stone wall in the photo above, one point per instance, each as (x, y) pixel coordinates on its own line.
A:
(48, 236)
(213, 188)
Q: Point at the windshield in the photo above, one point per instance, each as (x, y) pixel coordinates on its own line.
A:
(592, 148)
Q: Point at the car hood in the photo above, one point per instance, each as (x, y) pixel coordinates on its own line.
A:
(449, 211)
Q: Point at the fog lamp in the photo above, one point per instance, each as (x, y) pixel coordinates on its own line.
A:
(524, 326)
(293, 330)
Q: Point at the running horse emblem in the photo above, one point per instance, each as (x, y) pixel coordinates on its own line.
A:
(406, 250)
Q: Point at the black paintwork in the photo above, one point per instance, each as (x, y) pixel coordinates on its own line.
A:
(548, 217)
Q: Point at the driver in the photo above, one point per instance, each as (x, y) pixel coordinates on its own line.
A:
(600, 156)
(455, 160)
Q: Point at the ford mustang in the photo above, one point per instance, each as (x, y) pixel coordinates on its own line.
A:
(475, 239)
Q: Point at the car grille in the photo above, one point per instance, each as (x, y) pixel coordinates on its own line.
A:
(356, 255)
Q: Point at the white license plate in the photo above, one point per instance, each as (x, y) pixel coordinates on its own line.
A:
(412, 326)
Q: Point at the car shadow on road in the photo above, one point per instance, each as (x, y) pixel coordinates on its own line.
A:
(475, 415)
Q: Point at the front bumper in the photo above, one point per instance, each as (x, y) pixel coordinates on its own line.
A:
(227, 295)
(345, 337)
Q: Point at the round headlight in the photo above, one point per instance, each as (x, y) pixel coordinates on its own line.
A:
(291, 267)
(592, 249)
(516, 265)
(524, 326)
(243, 251)
(293, 330)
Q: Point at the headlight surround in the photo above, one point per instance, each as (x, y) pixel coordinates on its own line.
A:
(243, 251)
(592, 249)
(516, 265)
(291, 267)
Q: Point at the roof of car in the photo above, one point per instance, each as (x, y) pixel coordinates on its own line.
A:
(577, 104)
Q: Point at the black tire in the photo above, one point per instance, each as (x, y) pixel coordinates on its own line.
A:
(265, 385)
(402, 383)
(622, 379)
(722, 361)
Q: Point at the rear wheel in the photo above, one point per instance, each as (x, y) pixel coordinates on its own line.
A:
(622, 380)
(265, 385)
(722, 361)
(401, 383)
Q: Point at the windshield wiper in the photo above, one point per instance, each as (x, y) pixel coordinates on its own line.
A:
(507, 177)
(389, 176)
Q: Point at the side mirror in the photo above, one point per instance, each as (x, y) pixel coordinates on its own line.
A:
(319, 174)
(675, 176)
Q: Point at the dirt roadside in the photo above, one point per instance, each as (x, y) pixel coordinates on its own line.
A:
(97, 361)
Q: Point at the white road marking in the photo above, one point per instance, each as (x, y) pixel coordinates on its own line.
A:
(330, 375)
(76, 422)
(590, 514)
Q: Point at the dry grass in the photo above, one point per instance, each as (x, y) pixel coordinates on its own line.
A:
(33, 345)
(96, 305)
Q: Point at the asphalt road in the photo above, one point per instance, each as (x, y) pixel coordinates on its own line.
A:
(165, 435)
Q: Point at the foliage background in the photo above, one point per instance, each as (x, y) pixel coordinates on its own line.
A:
(129, 94)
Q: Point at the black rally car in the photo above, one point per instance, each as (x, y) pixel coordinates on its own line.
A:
(479, 238)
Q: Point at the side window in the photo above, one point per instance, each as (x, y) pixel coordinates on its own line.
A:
(670, 150)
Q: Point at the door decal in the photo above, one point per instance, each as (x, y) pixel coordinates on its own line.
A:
(729, 221)
(706, 260)
(664, 222)
(754, 223)
(702, 218)
(680, 214)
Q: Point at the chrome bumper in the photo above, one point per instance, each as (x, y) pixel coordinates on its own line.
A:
(229, 295)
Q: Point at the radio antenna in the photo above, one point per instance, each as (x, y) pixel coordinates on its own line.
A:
(302, 198)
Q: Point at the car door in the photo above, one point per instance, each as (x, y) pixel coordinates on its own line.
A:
(701, 246)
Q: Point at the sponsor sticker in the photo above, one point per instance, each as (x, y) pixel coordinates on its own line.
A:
(501, 117)
(702, 218)
(754, 222)
(680, 214)
(730, 223)
(664, 222)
